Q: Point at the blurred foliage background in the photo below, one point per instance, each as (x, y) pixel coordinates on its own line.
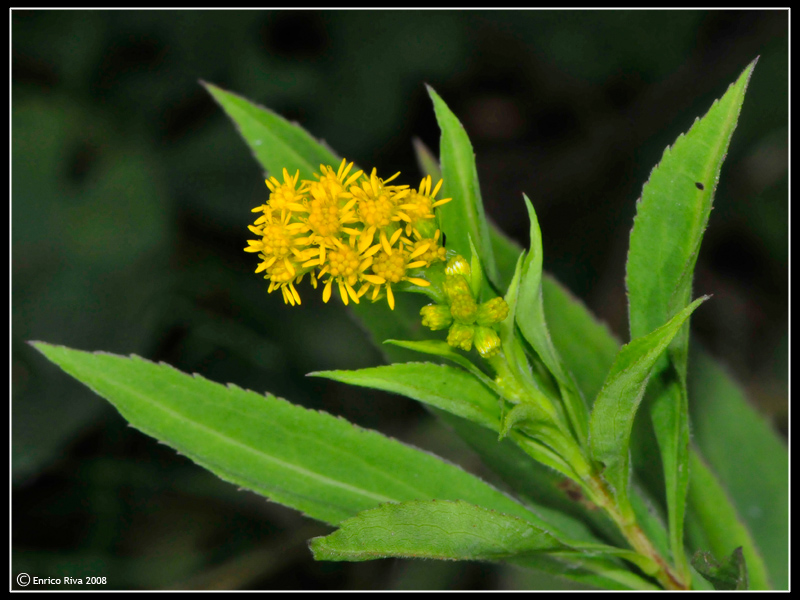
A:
(131, 193)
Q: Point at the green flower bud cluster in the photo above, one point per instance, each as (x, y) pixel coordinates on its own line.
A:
(469, 322)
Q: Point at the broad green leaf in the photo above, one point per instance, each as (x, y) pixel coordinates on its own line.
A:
(449, 531)
(671, 218)
(729, 574)
(433, 529)
(750, 460)
(531, 321)
(615, 407)
(444, 387)
(463, 216)
(714, 524)
(308, 460)
(452, 390)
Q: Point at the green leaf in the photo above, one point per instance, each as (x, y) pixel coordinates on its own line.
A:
(615, 407)
(308, 460)
(512, 346)
(463, 216)
(530, 318)
(750, 460)
(671, 218)
(275, 142)
(443, 349)
(433, 529)
(449, 531)
(730, 574)
(713, 522)
(673, 211)
(444, 387)
(669, 413)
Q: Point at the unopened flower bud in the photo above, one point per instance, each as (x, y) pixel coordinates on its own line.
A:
(455, 286)
(460, 336)
(487, 341)
(464, 309)
(436, 316)
(492, 311)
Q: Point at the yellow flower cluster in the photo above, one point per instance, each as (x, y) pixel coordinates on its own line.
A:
(355, 231)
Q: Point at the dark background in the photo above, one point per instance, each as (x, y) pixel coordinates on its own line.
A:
(131, 193)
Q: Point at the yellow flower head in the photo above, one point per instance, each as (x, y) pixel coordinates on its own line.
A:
(346, 230)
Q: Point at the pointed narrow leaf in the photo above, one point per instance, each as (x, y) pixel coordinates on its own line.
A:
(463, 216)
(673, 212)
(615, 407)
(512, 347)
(444, 387)
(308, 460)
(443, 349)
(531, 321)
(276, 143)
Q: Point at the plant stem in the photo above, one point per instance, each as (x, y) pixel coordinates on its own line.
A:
(601, 496)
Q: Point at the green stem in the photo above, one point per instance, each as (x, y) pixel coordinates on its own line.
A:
(630, 528)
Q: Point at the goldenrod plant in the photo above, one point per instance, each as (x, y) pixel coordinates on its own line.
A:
(591, 439)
